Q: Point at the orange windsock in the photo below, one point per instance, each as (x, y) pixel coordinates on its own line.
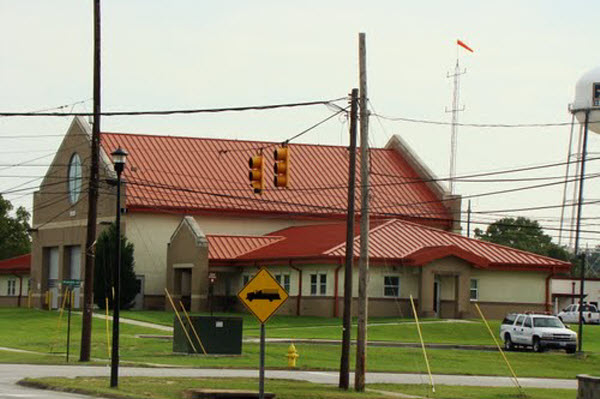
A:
(460, 43)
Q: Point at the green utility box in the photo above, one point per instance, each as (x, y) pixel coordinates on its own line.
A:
(219, 335)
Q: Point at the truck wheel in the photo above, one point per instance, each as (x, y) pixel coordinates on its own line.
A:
(508, 344)
(570, 350)
(537, 345)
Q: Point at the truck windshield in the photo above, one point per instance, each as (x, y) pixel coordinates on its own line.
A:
(547, 322)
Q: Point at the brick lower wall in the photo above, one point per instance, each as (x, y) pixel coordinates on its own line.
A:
(378, 307)
(12, 301)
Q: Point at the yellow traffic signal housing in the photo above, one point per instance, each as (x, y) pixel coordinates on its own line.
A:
(257, 173)
(281, 167)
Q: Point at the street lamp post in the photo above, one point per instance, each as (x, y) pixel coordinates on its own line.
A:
(119, 157)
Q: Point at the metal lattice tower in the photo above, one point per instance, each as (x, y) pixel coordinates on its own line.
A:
(455, 109)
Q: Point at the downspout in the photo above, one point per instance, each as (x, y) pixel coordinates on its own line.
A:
(572, 292)
(335, 290)
(20, 289)
(299, 297)
(548, 299)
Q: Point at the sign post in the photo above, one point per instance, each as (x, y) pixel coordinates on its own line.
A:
(263, 295)
(70, 284)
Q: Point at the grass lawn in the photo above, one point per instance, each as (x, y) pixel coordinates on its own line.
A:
(380, 329)
(36, 330)
(171, 388)
(453, 392)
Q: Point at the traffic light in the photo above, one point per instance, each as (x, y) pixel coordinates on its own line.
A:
(257, 173)
(281, 167)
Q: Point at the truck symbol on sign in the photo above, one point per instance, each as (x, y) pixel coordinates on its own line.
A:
(267, 294)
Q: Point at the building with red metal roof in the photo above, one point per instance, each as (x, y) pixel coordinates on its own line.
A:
(190, 210)
(14, 279)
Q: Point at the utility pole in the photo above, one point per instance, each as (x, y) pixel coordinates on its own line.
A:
(88, 287)
(347, 323)
(578, 228)
(363, 276)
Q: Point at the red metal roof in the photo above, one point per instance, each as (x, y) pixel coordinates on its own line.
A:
(222, 247)
(17, 265)
(411, 243)
(190, 175)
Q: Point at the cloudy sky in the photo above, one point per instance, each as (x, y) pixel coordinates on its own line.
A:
(192, 54)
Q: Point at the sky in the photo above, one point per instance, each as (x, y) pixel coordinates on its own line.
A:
(186, 54)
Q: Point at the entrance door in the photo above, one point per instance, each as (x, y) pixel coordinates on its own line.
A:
(436, 297)
(75, 271)
(53, 277)
(139, 297)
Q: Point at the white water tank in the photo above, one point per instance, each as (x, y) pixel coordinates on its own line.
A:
(587, 96)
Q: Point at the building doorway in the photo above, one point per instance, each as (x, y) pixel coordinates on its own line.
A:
(52, 259)
(139, 296)
(75, 272)
(436, 296)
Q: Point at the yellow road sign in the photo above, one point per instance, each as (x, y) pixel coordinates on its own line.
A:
(263, 295)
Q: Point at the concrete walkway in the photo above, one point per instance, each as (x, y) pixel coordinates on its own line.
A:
(13, 373)
(136, 323)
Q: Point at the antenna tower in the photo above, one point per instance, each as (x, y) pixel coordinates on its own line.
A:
(455, 109)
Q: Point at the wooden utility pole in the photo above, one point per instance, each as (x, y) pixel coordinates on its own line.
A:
(88, 287)
(347, 323)
(363, 276)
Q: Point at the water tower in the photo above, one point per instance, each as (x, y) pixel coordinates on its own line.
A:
(586, 108)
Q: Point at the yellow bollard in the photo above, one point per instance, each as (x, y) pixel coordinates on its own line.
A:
(292, 355)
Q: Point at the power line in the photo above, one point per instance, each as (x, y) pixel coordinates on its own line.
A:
(479, 125)
(179, 111)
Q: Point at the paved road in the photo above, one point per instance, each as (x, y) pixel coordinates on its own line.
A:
(10, 374)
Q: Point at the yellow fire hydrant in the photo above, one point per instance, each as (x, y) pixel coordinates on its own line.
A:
(292, 355)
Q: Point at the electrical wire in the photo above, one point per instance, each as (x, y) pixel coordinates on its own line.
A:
(178, 111)
(478, 125)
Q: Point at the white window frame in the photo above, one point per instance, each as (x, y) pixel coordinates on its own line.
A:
(474, 289)
(319, 286)
(284, 280)
(395, 287)
(11, 289)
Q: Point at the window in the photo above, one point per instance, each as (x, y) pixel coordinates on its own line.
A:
(391, 286)
(245, 279)
(519, 320)
(474, 292)
(318, 284)
(74, 180)
(284, 281)
(527, 322)
(12, 288)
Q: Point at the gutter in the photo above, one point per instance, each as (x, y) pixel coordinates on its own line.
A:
(335, 290)
(548, 298)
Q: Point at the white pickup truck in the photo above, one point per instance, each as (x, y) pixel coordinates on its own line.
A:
(537, 331)
(570, 314)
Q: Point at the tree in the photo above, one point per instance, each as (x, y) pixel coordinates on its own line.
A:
(103, 271)
(14, 230)
(525, 234)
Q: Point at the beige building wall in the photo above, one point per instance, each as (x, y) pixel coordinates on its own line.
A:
(561, 287)
(59, 223)
(510, 287)
(13, 299)
(151, 232)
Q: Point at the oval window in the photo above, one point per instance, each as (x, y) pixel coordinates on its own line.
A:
(74, 178)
